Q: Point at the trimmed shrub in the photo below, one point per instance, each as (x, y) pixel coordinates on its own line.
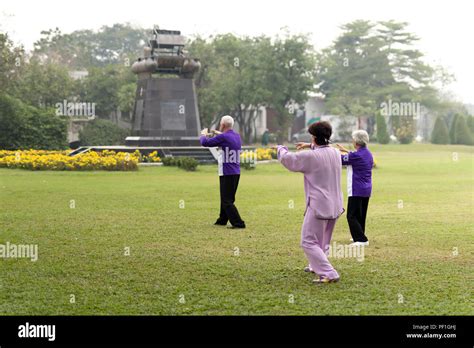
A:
(470, 123)
(187, 163)
(247, 165)
(170, 161)
(462, 134)
(382, 134)
(440, 134)
(405, 131)
(452, 136)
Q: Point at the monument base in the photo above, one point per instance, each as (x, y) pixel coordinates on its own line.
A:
(162, 141)
(165, 113)
(204, 155)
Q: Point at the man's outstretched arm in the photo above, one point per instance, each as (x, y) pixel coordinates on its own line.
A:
(211, 142)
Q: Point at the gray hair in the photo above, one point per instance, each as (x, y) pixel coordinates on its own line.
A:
(228, 121)
(361, 137)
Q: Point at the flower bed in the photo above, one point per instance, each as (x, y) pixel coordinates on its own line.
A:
(265, 154)
(59, 160)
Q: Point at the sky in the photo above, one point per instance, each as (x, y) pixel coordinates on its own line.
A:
(444, 27)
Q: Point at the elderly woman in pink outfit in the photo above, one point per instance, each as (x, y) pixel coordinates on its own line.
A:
(321, 167)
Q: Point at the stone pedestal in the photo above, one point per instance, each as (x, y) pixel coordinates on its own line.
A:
(165, 113)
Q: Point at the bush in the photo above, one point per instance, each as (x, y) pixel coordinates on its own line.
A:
(405, 131)
(247, 165)
(102, 132)
(382, 134)
(440, 134)
(45, 131)
(248, 159)
(170, 161)
(470, 123)
(452, 136)
(462, 134)
(28, 127)
(187, 163)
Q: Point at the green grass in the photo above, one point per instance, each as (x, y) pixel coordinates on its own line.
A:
(178, 251)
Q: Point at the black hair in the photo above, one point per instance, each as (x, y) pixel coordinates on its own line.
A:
(322, 131)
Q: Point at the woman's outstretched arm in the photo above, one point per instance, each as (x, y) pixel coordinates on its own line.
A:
(295, 162)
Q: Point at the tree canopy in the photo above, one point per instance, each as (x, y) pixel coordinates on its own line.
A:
(373, 62)
(368, 64)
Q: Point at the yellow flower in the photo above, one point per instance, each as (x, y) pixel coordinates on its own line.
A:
(59, 160)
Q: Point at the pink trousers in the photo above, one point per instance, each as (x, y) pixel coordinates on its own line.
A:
(316, 236)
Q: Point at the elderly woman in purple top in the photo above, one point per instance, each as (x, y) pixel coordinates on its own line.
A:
(359, 184)
(321, 167)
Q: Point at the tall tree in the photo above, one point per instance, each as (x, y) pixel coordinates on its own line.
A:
(291, 73)
(11, 63)
(382, 134)
(375, 62)
(44, 85)
(239, 75)
(103, 87)
(81, 49)
(209, 108)
(232, 81)
(351, 69)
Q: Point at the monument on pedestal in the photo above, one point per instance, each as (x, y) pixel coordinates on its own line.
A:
(166, 111)
(165, 116)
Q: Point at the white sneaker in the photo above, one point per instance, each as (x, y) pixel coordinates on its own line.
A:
(351, 240)
(360, 243)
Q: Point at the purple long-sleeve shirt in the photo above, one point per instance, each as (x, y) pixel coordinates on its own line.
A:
(359, 172)
(322, 178)
(229, 153)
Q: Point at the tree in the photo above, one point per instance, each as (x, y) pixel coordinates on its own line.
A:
(103, 87)
(119, 43)
(12, 119)
(239, 75)
(452, 129)
(243, 90)
(11, 63)
(44, 85)
(440, 133)
(382, 134)
(209, 108)
(234, 82)
(126, 98)
(470, 123)
(81, 49)
(102, 132)
(25, 127)
(291, 73)
(346, 71)
(462, 135)
(374, 62)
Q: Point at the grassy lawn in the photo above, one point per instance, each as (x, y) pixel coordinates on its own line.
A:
(420, 260)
